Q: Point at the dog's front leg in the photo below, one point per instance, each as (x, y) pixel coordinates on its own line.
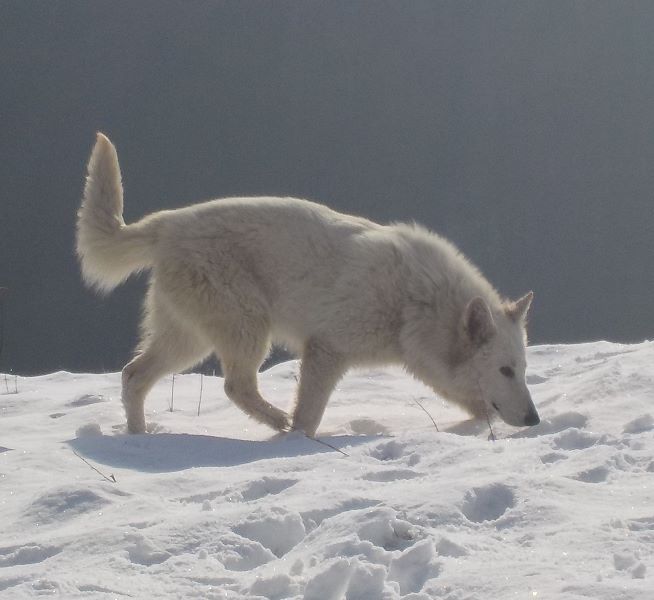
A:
(320, 371)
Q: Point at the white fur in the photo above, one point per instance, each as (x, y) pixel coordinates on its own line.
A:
(231, 276)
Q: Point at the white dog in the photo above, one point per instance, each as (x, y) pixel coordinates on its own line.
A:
(230, 276)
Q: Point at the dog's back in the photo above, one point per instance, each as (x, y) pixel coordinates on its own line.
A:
(286, 253)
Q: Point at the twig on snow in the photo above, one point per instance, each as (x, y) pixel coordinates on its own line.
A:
(322, 442)
(110, 478)
(172, 394)
(491, 437)
(201, 385)
(426, 412)
(327, 444)
(15, 390)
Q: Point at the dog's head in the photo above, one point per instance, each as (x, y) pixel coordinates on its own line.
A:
(495, 364)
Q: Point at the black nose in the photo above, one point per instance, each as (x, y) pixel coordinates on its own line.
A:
(532, 418)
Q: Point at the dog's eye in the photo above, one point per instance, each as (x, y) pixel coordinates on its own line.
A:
(507, 372)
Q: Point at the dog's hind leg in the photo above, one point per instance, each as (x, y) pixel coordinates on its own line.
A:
(169, 348)
(241, 356)
(320, 371)
(241, 388)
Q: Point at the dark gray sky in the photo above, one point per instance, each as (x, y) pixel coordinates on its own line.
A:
(523, 131)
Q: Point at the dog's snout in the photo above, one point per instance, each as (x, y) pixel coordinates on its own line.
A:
(532, 418)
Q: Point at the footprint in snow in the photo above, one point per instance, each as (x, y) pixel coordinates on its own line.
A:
(255, 490)
(382, 548)
(238, 553)
(640, 425)
(29, 554)
(381, 527)
(388, 451)
(552, 457)
(575, 439)
(266, 486)
(87, 399)
(487, 503)
(58, 505)
(642, 524)
(314, 518)
(594, 475)
(625, 561)
(276, 529)
(143, 552)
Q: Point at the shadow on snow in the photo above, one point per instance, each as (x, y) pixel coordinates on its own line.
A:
(165, 452)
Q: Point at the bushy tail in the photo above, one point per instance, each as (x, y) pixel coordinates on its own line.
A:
(109, 251)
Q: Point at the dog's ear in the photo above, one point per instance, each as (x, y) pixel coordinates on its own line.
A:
(478, 323)
(517, 311)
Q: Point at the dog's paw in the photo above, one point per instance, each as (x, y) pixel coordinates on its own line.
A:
(136, 426)
(278, 420)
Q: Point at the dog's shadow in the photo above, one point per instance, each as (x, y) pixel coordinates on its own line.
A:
(168, 452)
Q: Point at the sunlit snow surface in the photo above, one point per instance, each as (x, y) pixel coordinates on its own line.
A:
(217, 507)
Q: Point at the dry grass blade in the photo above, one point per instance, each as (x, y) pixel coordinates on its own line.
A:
(172, 394)
(426, 412)
(110, 478)
(201, 385)
(327, 444)
(491, 437)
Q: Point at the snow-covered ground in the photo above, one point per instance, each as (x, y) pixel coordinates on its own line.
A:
(213, 506)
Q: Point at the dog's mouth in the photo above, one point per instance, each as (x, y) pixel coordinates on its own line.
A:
(529, 420)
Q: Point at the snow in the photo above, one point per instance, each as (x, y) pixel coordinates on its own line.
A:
(217, 507)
